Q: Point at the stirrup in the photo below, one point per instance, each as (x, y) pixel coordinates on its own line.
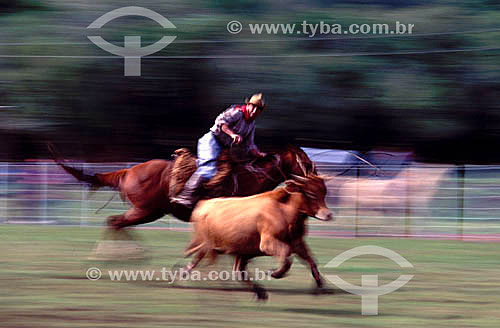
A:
(182, 201)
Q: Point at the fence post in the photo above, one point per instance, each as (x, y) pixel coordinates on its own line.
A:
(461, 197)
(84, 203)
(44, 192)
(357, 201)
(408, 204)
(4, 204)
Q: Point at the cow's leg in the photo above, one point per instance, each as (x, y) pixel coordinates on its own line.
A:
(240, 266)
(300, 248)
(237, 264)
(195, 245)
(274, 247)
(197, 259)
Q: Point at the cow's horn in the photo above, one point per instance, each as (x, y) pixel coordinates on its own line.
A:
(325, 177)
(299, 178)
(294, 182)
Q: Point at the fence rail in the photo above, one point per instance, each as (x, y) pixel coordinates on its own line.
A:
(407, 200)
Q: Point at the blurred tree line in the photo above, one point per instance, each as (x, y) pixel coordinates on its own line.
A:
(418, 92)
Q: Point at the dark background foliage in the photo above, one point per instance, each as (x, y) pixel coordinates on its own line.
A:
(416, 96)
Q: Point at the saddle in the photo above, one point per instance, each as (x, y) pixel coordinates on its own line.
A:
(185, 165)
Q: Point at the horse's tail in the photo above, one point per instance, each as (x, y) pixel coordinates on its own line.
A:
(110, 179)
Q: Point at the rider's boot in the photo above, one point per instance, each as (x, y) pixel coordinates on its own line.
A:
(187, 197)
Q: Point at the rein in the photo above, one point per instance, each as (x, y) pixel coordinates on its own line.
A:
(107, 203)
(258, 172)
(261, 171)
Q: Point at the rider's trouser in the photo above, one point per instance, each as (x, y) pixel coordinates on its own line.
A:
(208, 151)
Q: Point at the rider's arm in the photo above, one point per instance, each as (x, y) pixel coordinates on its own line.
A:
(226, 119)
(252, 147)
(236, 137)
(225, 128)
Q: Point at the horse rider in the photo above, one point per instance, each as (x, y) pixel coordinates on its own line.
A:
(236, 125)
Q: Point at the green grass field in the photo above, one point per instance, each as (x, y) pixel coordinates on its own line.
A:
(43, 284)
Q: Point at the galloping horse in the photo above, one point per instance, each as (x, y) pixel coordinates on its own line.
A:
(147, 185)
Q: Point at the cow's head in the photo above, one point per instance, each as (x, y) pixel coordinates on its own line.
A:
(314, 190)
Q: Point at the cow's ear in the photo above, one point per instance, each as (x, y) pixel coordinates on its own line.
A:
(292, 186)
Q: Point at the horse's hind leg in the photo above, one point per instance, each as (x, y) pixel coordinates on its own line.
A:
(133, 216)
(114, 220)
(118, 243)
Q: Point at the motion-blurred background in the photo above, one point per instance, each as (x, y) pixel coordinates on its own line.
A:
(422, 108)
(433, 92)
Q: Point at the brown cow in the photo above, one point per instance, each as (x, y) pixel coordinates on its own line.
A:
(267, 224)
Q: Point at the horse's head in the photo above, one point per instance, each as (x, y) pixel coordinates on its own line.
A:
(267, 172)
(294, 161)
